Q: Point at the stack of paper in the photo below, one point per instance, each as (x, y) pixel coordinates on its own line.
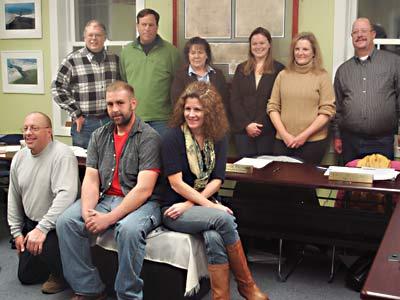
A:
(78, 151)
(378, 174)
(257, 163)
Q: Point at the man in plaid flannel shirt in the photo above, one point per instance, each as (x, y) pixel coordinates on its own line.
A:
(81, 82)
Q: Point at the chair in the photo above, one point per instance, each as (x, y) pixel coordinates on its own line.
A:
(364, 200)
(8, 139)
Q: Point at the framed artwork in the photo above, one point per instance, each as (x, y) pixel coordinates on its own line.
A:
(22, 72)
(20, 19)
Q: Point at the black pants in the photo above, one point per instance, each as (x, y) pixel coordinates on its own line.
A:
(36, 269)
(250, 147)
(310, 152)
(355, 146)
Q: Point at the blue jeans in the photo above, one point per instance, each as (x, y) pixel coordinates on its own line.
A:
(160, 126)
(130, 234)
(217, 227)
(355, 146)
(91, 123)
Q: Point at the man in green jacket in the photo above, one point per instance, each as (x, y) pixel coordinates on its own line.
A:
(149, 64)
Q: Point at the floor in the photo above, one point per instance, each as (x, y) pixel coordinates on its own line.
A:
(309, 281)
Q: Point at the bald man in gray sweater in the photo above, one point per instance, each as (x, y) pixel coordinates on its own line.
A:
(44, 181)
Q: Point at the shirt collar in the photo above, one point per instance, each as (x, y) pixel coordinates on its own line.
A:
(370, 56)
(192, 72)
(90, 55)
(137, 126)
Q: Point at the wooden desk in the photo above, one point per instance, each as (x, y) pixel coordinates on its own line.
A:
(383, 281)
(345, 227)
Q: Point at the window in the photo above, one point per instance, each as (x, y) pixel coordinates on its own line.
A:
(385, 15)
(69, 19)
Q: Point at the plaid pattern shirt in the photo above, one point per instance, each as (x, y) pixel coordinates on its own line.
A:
(81, 82)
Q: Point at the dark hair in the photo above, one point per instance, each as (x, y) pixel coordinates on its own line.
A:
(251, 62)
(147, 11)
(215, 124)
(120, 85)
(317, 59)
(98, 23)
(197, 41)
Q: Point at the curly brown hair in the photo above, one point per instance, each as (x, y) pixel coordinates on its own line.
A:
(215, 124)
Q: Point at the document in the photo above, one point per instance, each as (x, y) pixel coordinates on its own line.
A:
(79, 151)
(257, 163)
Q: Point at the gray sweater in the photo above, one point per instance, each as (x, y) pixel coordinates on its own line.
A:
(42, 186)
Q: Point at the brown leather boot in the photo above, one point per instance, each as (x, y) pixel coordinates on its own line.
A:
(238, 264)
(219, 278)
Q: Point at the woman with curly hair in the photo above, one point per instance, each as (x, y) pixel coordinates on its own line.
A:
(194, 158)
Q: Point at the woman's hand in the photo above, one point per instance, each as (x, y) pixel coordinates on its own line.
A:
(223, 207)
(288, 139)
(254, 129)
(299, 140)
(176, 210)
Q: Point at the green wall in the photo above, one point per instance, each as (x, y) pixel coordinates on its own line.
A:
(14, 107)
(314, 15)
(318, 16)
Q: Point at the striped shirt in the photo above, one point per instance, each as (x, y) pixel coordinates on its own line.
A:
(81, 82)
(367, 95)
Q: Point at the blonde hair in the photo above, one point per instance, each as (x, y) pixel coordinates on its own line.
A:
(317, 59)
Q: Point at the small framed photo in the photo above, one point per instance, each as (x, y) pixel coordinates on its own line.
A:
(20, 19)
(22, 71)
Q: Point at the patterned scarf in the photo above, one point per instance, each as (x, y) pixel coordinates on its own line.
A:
(199, 167)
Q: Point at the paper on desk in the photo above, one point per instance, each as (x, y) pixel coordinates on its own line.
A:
(79, 151)
(281, 158)
(257, 163)
(13, 148)
(378, 173)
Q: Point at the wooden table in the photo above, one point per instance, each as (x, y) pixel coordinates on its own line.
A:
(267, 204)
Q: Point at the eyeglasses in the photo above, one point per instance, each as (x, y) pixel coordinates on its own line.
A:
(32, 128)
(360, 31)
(95, 36)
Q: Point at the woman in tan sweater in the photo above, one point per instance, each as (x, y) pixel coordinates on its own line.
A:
(302, 103)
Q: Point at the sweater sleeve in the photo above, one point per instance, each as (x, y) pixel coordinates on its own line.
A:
(327, 97)
(274, 103)
(15, 210)
(64, 185)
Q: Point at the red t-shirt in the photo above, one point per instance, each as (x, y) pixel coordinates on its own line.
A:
(119, 142)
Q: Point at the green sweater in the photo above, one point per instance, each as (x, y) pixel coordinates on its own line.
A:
(151, 77)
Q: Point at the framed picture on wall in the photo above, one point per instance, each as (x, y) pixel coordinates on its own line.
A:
(20, 19)
(22, 71)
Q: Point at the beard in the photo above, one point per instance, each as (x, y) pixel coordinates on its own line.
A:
(124, 119)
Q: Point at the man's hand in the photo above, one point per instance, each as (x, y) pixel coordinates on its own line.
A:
(254, 129)
(34, 241)
(19, 244)
(79, 123)
(97, 222)
(176, 210)
(337, 144)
